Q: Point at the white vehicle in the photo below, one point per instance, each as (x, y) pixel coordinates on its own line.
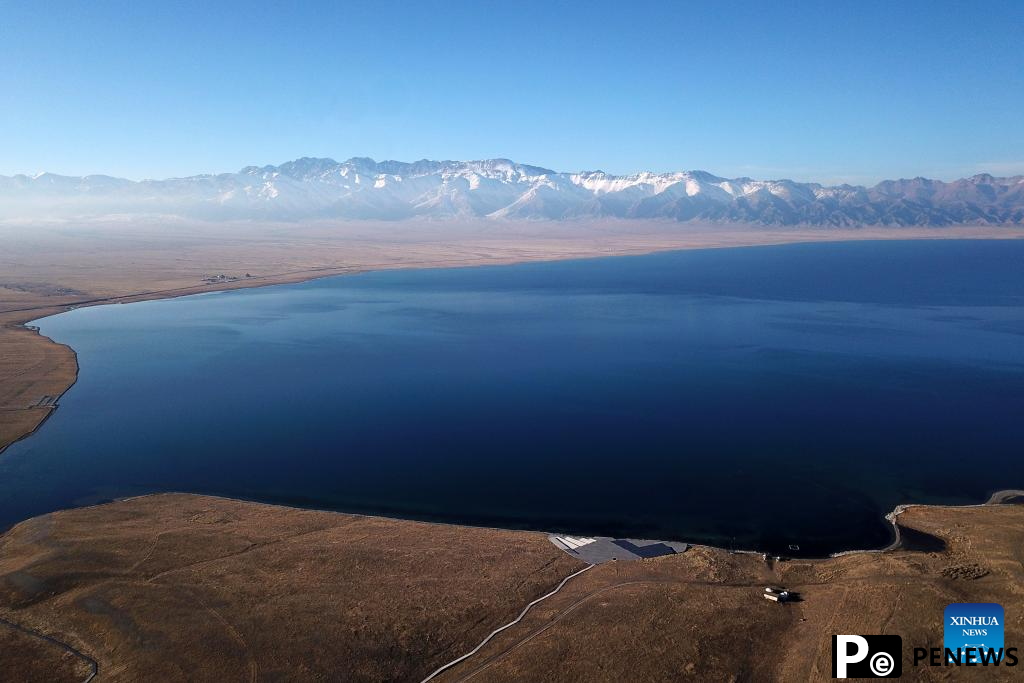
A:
(776, 594)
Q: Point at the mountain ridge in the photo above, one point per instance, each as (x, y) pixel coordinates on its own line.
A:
(362, 188)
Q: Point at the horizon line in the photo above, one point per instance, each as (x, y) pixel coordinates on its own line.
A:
(764, 178)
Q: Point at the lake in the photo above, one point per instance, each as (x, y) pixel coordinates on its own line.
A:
(754, 397)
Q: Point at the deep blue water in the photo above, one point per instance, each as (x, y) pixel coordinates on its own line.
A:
(759, 397)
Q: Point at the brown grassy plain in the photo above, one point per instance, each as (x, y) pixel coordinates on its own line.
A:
(178, 587)
(191, 588)
(699, 616)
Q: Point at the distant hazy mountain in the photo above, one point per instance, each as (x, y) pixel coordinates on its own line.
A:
(499, 188)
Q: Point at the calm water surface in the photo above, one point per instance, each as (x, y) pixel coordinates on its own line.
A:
(760, 397)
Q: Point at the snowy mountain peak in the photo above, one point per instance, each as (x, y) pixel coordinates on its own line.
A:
(363, 188)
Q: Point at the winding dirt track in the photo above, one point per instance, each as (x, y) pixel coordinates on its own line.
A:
(90, 662)
(506, 626)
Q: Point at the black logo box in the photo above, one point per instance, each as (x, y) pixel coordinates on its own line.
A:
(891, 645)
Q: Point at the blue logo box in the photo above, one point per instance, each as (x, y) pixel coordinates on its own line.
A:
(977, 625)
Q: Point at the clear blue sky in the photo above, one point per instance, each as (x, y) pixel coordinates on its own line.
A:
(852, 91)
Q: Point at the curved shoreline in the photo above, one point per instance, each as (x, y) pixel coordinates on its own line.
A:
(297, 276)
(24, 322)
(56, 401)
(164, 561)
(604, 240)
(996, 498)
(1000, 497)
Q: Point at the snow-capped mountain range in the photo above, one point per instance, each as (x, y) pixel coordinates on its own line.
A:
(362, 188)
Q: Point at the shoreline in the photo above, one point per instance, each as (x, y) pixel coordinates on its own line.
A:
(23, 322)
(55, 404)
(19, 319)
(997, 498)
(308, 275)
(159, 563)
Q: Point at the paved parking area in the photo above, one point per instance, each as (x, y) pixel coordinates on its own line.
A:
(599, 549)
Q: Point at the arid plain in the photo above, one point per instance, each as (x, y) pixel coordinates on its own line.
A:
(191, 588)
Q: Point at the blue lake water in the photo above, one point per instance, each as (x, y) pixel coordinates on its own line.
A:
(756, 397)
